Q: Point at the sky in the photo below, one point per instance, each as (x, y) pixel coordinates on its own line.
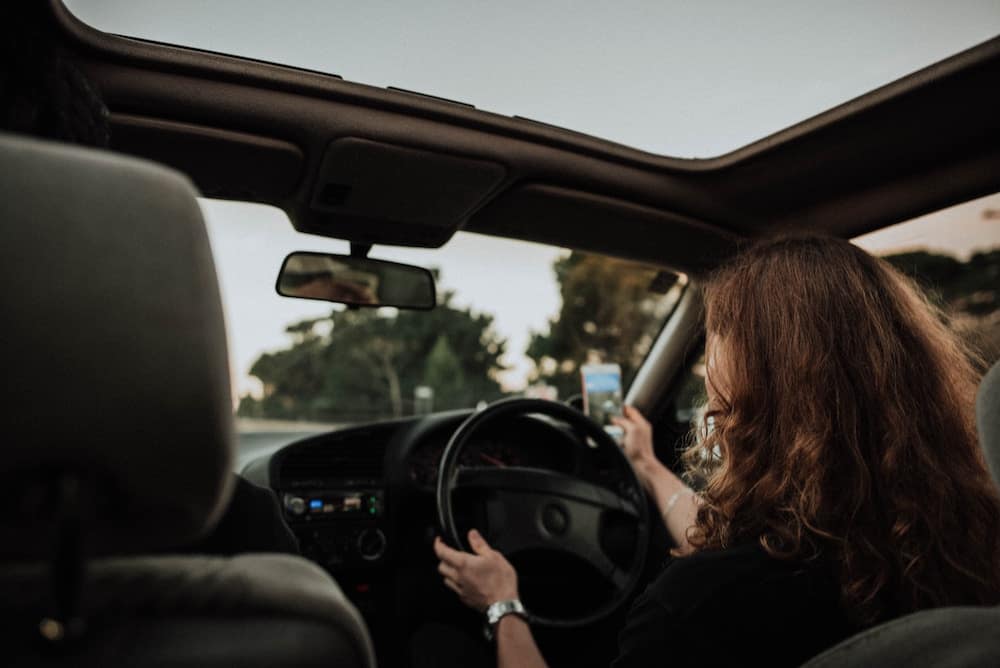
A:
(688, 79)
(959, 231)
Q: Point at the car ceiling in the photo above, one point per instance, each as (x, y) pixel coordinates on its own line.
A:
(384, 166)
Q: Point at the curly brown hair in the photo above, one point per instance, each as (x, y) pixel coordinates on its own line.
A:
(845, 430)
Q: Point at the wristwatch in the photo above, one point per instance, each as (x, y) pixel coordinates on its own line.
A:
(498, 611)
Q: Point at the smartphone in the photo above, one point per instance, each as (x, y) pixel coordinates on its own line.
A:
(602, 392)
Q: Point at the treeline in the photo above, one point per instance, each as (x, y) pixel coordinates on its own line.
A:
(367, 364)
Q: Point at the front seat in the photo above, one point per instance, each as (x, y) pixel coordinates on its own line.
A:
(959, 637)
(118, 442)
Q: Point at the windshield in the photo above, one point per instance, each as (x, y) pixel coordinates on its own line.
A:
(513, 318)
(688, 79)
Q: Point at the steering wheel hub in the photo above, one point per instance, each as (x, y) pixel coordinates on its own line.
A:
(555, 519)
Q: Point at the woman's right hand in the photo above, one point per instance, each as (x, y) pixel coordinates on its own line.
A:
(637, 442)
(677, 503)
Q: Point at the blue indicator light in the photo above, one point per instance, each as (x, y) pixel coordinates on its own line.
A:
(315, 504)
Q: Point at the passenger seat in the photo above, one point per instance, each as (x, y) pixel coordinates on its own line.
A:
(118, 442)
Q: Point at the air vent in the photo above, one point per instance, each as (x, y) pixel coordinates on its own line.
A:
(356, 455)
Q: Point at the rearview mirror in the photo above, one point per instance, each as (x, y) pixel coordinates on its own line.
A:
(356, 281)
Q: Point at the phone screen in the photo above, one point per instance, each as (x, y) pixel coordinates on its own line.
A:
(602, 391)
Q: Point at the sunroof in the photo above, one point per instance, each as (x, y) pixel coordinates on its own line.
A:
(687, 79)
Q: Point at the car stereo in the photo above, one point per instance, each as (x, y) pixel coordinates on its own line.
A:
(334, 503)
(338, 527)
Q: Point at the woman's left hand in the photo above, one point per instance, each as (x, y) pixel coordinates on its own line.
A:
(479, 579)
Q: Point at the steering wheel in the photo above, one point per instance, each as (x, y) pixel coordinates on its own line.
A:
(549, 511)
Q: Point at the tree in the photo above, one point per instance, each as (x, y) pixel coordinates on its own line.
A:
(445, 376)
(370, 362)
(611, 311)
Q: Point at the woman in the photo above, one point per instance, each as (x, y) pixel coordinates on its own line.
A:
(841, 483)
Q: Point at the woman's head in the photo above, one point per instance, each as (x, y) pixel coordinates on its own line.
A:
(842, 409)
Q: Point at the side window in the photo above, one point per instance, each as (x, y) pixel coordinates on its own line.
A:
(691, 395)
(954, 255)
(673, 425)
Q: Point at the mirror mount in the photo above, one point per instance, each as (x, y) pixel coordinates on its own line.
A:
(360, 250)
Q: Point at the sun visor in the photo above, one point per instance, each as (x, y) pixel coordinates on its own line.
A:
(372, 192)
(555, 215)
(222, 163)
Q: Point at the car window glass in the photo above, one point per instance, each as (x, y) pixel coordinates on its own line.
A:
(954, 256)
(691, 395)
(512, 318)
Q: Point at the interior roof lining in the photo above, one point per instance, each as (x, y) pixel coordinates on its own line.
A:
(932, 123)
(156, 53)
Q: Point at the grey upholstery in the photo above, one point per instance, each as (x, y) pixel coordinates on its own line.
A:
(272, 594)
(117, 402)
(960, 637)
(115, 359)
(943, 637)
(988, 419)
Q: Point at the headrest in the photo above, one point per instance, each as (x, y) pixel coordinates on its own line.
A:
(988, 419)
(113, 353)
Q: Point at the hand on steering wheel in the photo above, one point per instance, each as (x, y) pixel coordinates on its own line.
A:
(481, 578)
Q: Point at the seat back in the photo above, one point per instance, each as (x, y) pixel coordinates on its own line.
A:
(988, 419)
(957, 637)
(118, 442)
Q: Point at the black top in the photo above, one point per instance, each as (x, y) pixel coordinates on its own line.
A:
(733, 607)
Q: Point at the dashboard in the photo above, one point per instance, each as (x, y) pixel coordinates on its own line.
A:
(361, 500)
(342, 491)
